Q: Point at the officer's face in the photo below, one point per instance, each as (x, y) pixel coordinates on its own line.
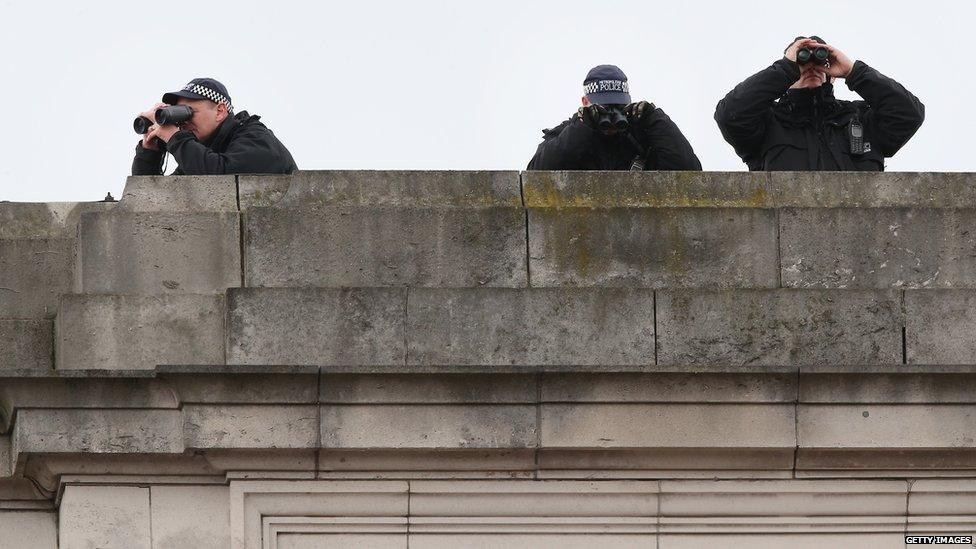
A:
(809, 77)
(207, 116)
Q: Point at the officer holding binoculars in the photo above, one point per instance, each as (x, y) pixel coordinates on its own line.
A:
(609, 132)
(197, 125)
(785, 117)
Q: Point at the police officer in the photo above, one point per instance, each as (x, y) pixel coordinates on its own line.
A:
(214, 141)
(650, 141)
(785, 117)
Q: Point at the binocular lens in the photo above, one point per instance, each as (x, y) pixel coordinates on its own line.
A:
(176, 114)
(141, 125)
(820, 55)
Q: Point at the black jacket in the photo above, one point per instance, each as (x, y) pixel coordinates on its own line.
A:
(241, 144)
(573, 145)
(775, 128)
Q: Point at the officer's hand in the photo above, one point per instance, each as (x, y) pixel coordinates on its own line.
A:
(151, 112)
(148, 141)
(840, 64)
(590, 115)
(798, 45)
(640, 112)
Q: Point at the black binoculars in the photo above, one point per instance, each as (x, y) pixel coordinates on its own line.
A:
(816, 55)
(174, 114)
(614, 118)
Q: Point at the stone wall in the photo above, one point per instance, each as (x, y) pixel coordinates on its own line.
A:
(545, 359)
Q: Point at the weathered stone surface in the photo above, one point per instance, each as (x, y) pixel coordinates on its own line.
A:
(316, 326)
(888, 387)
(261, 190)
(886, 426)
(98, 431)
(667, 425)
(105, 516)
(427, 389)
(159, 252)
(393, 246)
(139, 332)
(668, 387)
(190, 516)
(45, 221)
(6, 457)
(878, 248)
(26, 344)
(779, 327)
(794, 502)
(33, 273)
(532, 326)
(653, 247)
(417, 189)
(508, 498)
(433, 426)
(249, 426)
(28, 530)
(749, 190)
(181, 193)
(245, 384)
(940, 327)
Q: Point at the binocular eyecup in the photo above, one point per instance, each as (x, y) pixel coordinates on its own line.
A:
(174, 114)
(816, 55)
(613, 119)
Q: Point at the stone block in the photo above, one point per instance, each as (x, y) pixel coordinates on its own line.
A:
(190, 516)
(872, 189)
(253, 385)
(545, 189)
(942, 497)
(33, 274)
(181, 193)
(159, 252)
(250, 426)
(531, 326)
(878, 248)
(316, 326)
(385, 246)
(428, 426)
(427, 389)
(905, 426)
(805, 540)
(793, 502)
(98, 431)
(28, 530)
(6, 457)
(667, 425)
(653, 247)
(668, 387)
(45, 220)
(104, 516)
(26, 344)
(319, 540)
(126, 332)
(769, 327)
(888, 387)
(415, 189)
(514, 498)
(940, 327)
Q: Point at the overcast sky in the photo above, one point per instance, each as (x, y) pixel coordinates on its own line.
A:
(435, 85)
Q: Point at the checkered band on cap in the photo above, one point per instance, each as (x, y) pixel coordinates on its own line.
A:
(210, 94)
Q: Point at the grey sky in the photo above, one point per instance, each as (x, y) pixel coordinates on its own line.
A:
(434, 85)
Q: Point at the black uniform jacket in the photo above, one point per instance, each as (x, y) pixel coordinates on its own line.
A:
(775, 128)
(573, 145)
(241, 144)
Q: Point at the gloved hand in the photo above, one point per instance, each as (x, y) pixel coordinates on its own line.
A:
(640, 113)
(590, 115)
